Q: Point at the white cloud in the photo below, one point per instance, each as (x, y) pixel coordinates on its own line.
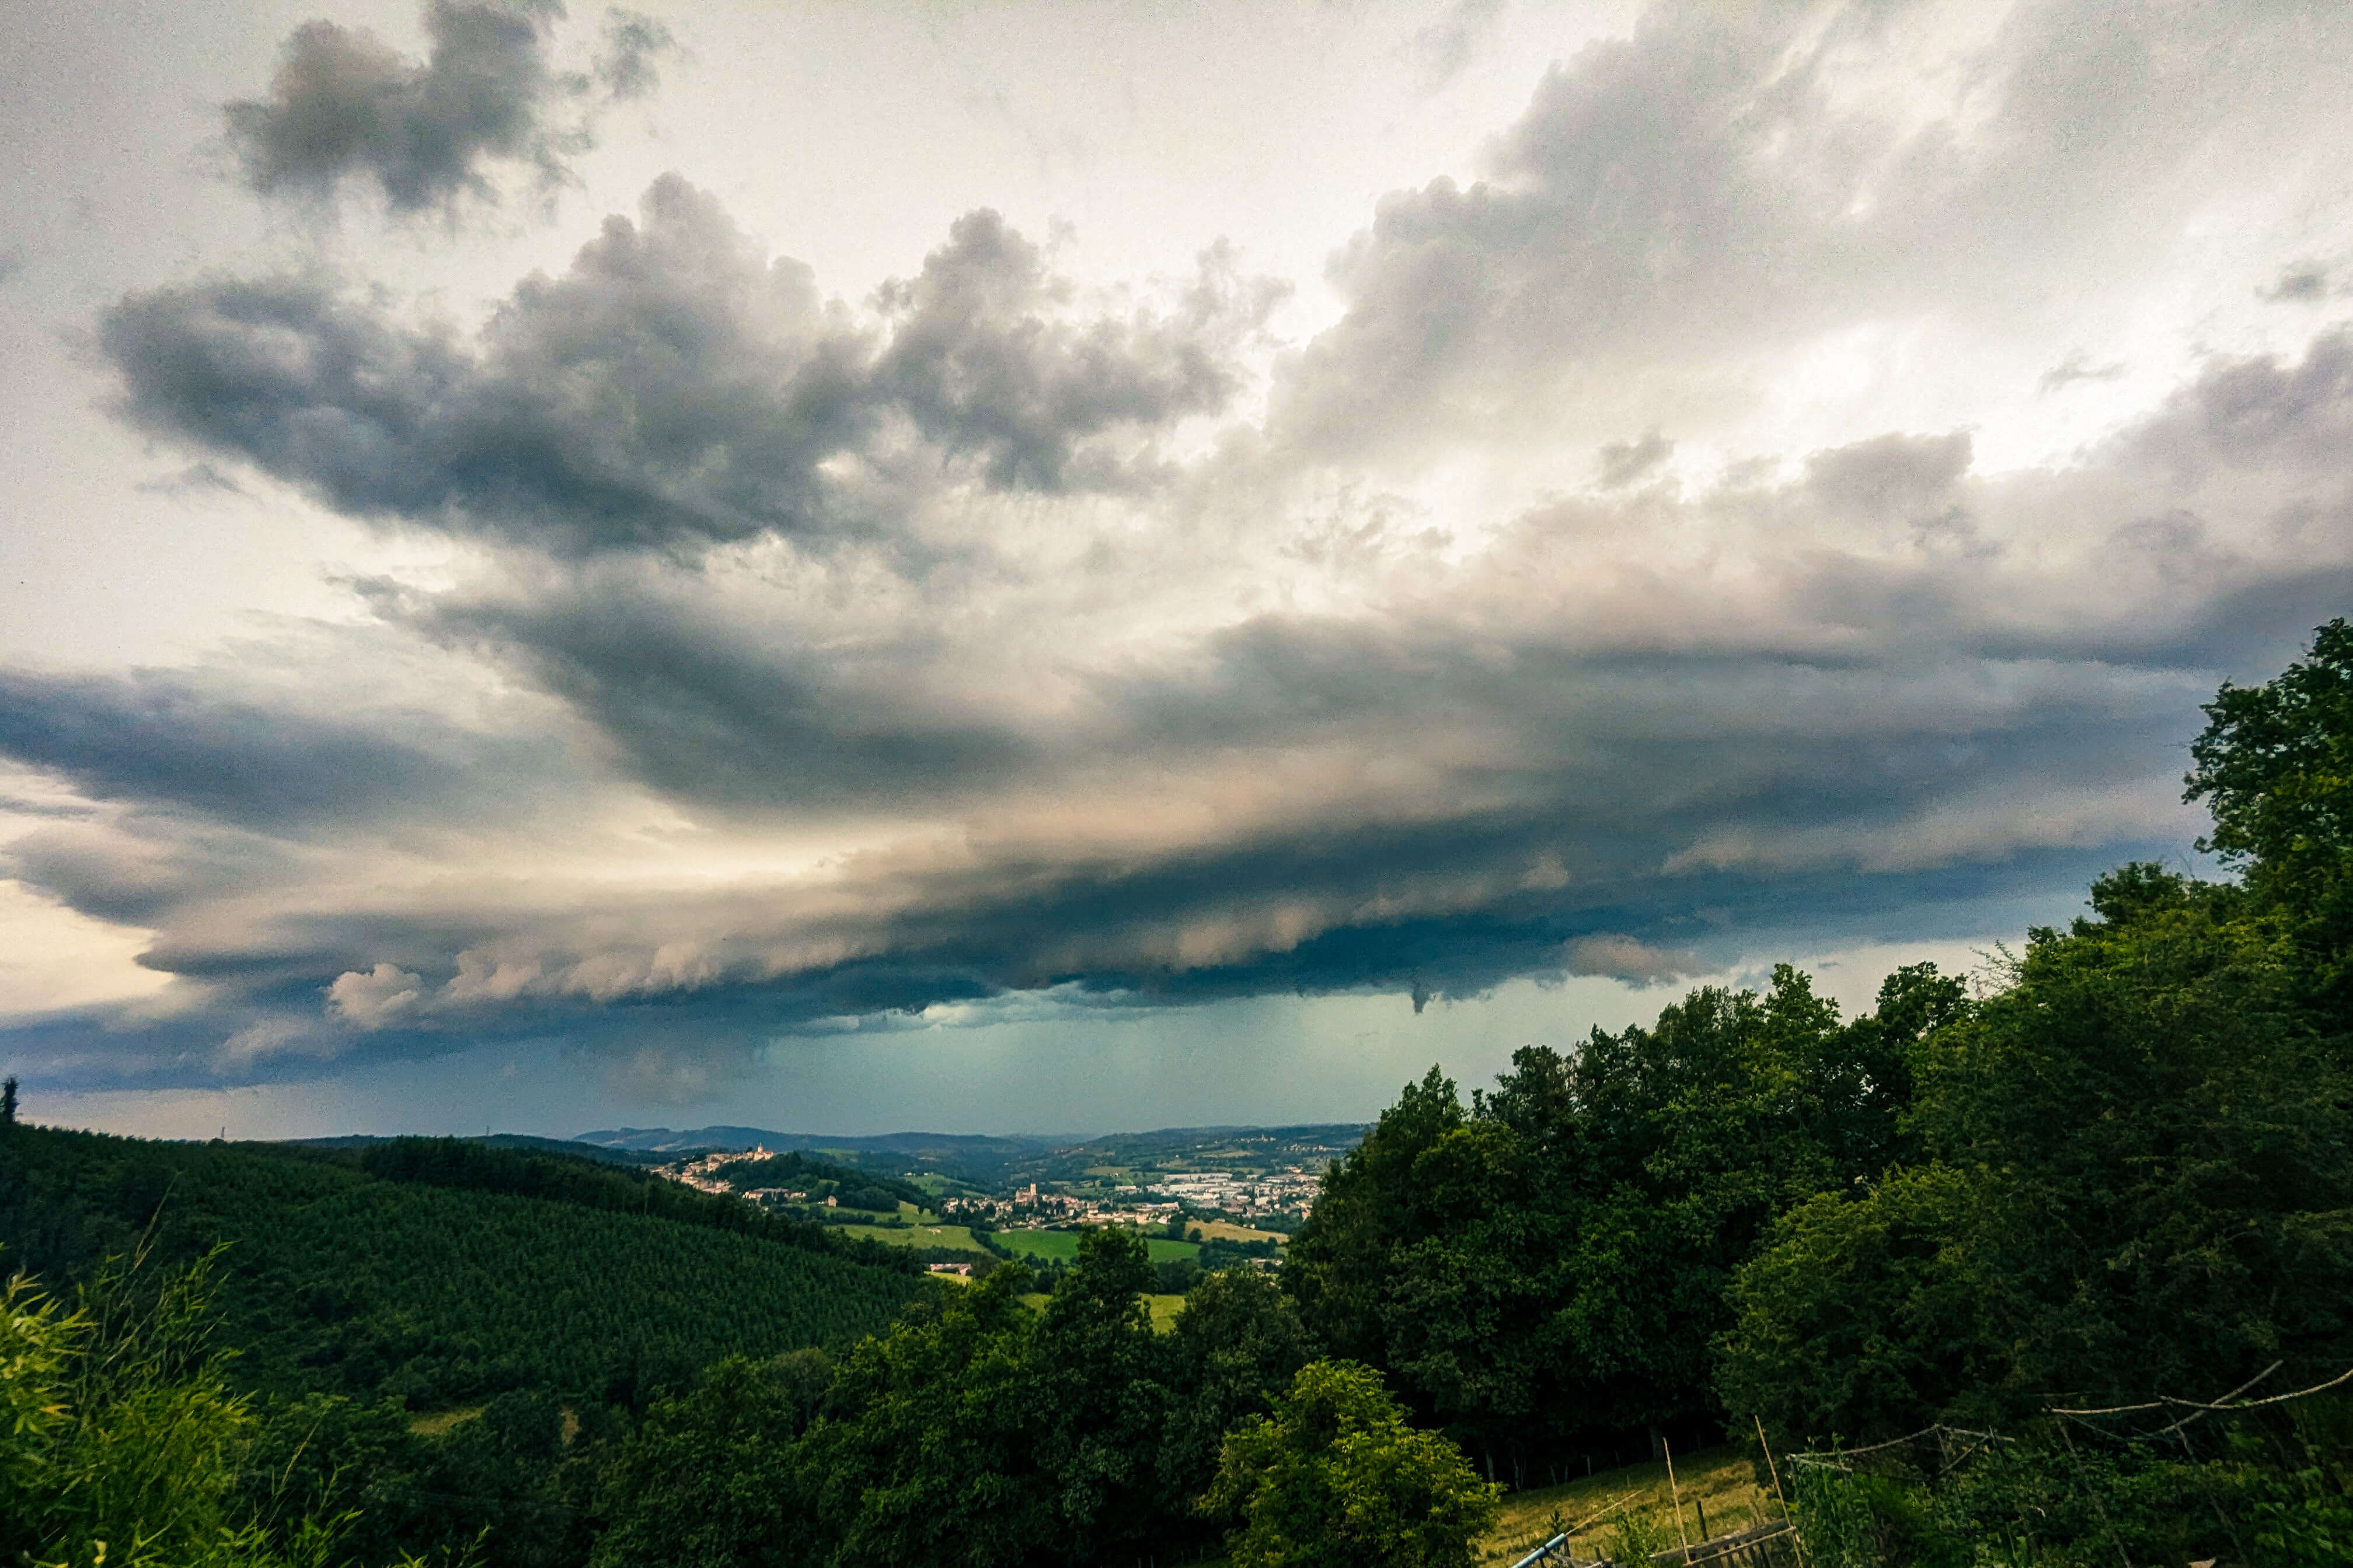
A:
(379, 997)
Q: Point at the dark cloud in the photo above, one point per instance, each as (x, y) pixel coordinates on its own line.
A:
(1558, 754)
(632, 45)
(2299, 283)
(840, 660)
(733, 718)
(211, 807)
(674, 389)
(1909, 479)
(345, 105)
(2256, 413)
(981, 366)
(157, 740)
(1623, 462)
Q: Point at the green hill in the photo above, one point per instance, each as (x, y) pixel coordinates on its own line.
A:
(440, 1272)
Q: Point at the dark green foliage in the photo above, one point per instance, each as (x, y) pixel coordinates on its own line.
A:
(1334, 1475)
(327, 1455)
(2141, 1179)
(337, 1281)
(978, 1431)
(590, 1184)
(982, 1433)
(1549, 1266)
(822, 1179)
(709, 1481)
(1871, 1319)
(120, 1441)
(2259, 1496)
(2275, 767)
(1175, 1276)
(1239, 1342)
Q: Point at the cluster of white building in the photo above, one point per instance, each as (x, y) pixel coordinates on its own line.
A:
(704, 1175)
(1290, 1191)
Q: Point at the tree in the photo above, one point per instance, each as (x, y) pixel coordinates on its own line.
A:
(1239, 1343)
(2137, 1178)
(1335, 1475)
(9, 1103)
(2275, 767)
(1547, 1269)
(708, 1481)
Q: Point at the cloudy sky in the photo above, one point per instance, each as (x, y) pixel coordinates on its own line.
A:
(1051, 567)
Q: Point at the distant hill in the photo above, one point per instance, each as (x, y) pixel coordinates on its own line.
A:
(611, 1155)
(662, 1139)
(975, 1158)
(441, 1270)
(995, 1161)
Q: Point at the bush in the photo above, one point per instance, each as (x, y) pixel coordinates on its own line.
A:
(1336, 1475)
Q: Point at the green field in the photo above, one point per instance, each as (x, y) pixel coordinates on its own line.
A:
(1062, 1246)
(957, 1235)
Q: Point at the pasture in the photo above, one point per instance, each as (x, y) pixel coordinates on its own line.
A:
(1062, 1246)
(957, 1235)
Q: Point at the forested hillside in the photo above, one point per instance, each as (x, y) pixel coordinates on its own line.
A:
(438, 1272)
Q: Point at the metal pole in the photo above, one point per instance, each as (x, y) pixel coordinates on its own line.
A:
(1540, 1552)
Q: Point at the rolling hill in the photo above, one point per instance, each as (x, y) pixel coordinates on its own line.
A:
(437, 1272)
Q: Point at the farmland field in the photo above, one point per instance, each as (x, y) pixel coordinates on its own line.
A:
(1057, 1246)
(957, 1235)
(1226, 1230)
(1062, 1246)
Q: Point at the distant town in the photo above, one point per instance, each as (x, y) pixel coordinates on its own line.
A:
(1243, 1187)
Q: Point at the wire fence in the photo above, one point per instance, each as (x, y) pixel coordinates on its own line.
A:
(1845, 1497)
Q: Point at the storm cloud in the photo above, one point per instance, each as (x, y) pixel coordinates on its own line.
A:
(781, 658)
(674, 388)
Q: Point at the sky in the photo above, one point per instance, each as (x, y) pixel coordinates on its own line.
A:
(1057, 568)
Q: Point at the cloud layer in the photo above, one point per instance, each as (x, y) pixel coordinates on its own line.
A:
(793, 658)
(674, 389)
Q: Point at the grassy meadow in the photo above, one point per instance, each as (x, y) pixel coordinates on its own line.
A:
(957, 1235)
(1062, 1246)
(1718, 1480)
